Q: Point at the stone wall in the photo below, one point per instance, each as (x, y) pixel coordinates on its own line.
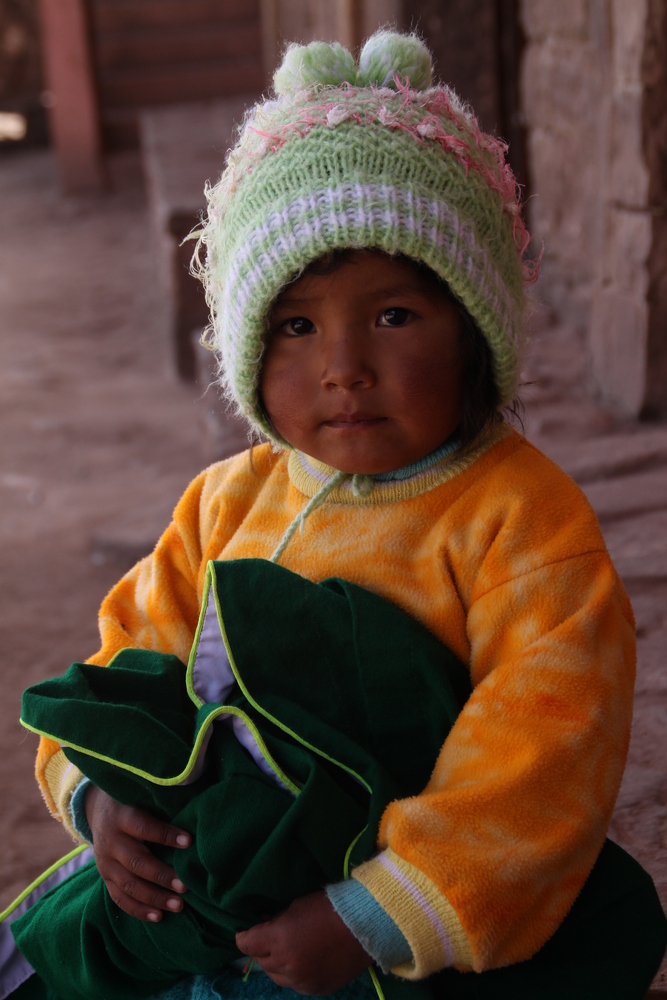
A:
(561, 85)
(620, 311)
(595, 108)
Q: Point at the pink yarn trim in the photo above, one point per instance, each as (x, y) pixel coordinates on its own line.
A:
(421, 116)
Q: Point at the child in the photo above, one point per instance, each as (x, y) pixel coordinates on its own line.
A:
(363, 268)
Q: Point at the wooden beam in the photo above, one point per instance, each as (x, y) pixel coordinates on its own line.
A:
(74, 115)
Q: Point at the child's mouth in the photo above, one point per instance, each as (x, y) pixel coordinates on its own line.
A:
(353, 421)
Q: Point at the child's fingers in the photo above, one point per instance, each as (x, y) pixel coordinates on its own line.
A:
(138, 862)
(255, 942)
(140, 824)
(138, 897)
(142, 901)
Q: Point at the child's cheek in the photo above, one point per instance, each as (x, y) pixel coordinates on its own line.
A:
(287, 392)
(430, 384)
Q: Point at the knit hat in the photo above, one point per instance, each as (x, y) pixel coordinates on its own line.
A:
(367, 156)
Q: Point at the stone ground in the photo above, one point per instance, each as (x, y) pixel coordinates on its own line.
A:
(99, 440)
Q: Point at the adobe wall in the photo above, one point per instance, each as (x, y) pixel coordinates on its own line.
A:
(562, 82)
(620, 304)
(595, 109)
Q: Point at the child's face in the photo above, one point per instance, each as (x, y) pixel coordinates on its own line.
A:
(362, 369)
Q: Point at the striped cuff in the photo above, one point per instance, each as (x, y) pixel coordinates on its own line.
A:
(426, 918)
(62, 777)
(77, 810)
(370, 924)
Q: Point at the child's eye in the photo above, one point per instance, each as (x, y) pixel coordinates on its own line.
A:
(394, 317)
(297, 326)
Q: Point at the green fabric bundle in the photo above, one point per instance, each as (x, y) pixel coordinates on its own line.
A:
(348, 700)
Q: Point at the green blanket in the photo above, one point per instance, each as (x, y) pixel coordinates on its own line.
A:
(345, 701)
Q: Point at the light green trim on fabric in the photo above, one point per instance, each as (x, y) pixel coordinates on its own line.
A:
(117, 654)
(376, 982)
(275, 767)
(256, 705)
(41, 878)
(346, 875)
(189, 681)
(192, 760)
(346, 860)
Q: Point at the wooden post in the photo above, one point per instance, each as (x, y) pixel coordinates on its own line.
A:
(268, 12)
(302, 21)
(74, 116)
(349, 27)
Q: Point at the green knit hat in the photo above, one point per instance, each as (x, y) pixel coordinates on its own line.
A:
(367, 156)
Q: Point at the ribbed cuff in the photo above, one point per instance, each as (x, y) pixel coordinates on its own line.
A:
(421, 911)
(62, 777)
(371, 925)
(77, 810)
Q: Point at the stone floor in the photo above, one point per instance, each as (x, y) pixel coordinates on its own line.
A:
(99, 440)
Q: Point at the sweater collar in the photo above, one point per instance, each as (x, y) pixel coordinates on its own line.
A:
(309, 475)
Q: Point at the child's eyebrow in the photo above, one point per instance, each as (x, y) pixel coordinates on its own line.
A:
(293, 301)
(392, 290)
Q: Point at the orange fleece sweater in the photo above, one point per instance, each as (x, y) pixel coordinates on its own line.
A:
(500, 555)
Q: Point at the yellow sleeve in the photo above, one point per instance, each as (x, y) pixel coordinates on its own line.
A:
(481, 868)
(154, 606)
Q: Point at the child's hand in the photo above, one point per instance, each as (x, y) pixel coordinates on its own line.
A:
(307, 947)
(130, 872)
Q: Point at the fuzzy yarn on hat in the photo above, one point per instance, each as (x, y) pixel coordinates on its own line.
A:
(367, 156)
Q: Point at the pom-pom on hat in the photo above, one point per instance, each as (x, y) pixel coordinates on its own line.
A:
(360, 156)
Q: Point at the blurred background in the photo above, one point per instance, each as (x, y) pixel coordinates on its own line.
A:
(113, 114)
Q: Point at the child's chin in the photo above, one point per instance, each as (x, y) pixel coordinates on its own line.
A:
(360, 461)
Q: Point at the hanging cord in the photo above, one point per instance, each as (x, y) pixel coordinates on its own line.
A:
(314, 503)
(361, 487)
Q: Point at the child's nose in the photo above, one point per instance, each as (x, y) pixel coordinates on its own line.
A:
(346, 364)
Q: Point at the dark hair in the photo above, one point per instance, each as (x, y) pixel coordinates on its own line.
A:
(480, 397)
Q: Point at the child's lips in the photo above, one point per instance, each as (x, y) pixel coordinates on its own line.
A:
(353, 421)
